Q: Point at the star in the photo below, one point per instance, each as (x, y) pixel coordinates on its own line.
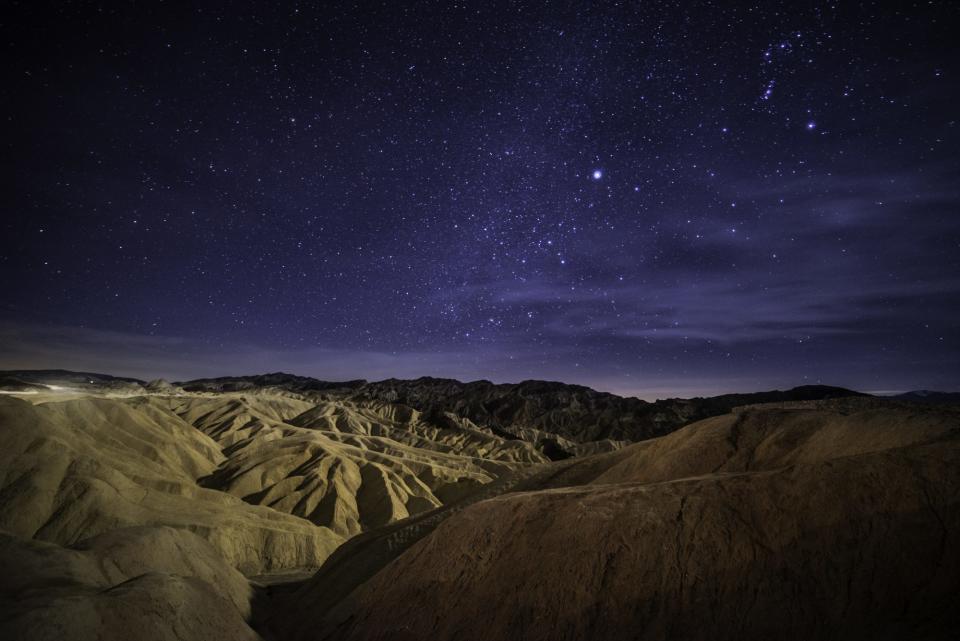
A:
(320, 185)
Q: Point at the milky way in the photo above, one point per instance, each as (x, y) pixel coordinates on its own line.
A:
(650, 198)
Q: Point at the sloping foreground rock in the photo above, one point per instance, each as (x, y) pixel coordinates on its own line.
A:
(158, 584)
(823, 522)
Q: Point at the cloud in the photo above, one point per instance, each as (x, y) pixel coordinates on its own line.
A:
(733, 312)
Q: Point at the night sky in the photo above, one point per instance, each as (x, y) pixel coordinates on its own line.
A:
(649, 198)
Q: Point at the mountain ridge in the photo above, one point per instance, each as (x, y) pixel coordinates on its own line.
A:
(283, 379)
(554, 416)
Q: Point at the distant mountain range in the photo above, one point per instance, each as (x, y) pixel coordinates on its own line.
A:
(34, 378)
(534, 411)
(929, 397)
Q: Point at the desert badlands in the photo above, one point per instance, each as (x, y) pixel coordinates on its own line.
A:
(282, 507)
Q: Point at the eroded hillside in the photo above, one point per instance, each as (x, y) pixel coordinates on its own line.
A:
(826, 521)
(295, 509)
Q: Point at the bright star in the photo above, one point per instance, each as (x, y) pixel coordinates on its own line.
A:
(811, 126)
(597, 174)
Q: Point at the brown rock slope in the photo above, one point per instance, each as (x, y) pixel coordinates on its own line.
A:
(573, 412)
(136, 583)
(541, 412)
(273, 479)
(129, 516)
(826, 520)
(75, 469)
(350, 468)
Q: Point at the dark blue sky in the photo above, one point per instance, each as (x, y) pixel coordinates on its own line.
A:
(650, 198)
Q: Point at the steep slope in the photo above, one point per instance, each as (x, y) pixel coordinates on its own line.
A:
(825, 520)
(161, 386)
(144, 583)
(573, 412)
(72, 470)
(550, 411)
(769, 437)
(344, 467)
(164, 484)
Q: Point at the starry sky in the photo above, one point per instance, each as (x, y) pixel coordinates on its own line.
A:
(651, 198)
